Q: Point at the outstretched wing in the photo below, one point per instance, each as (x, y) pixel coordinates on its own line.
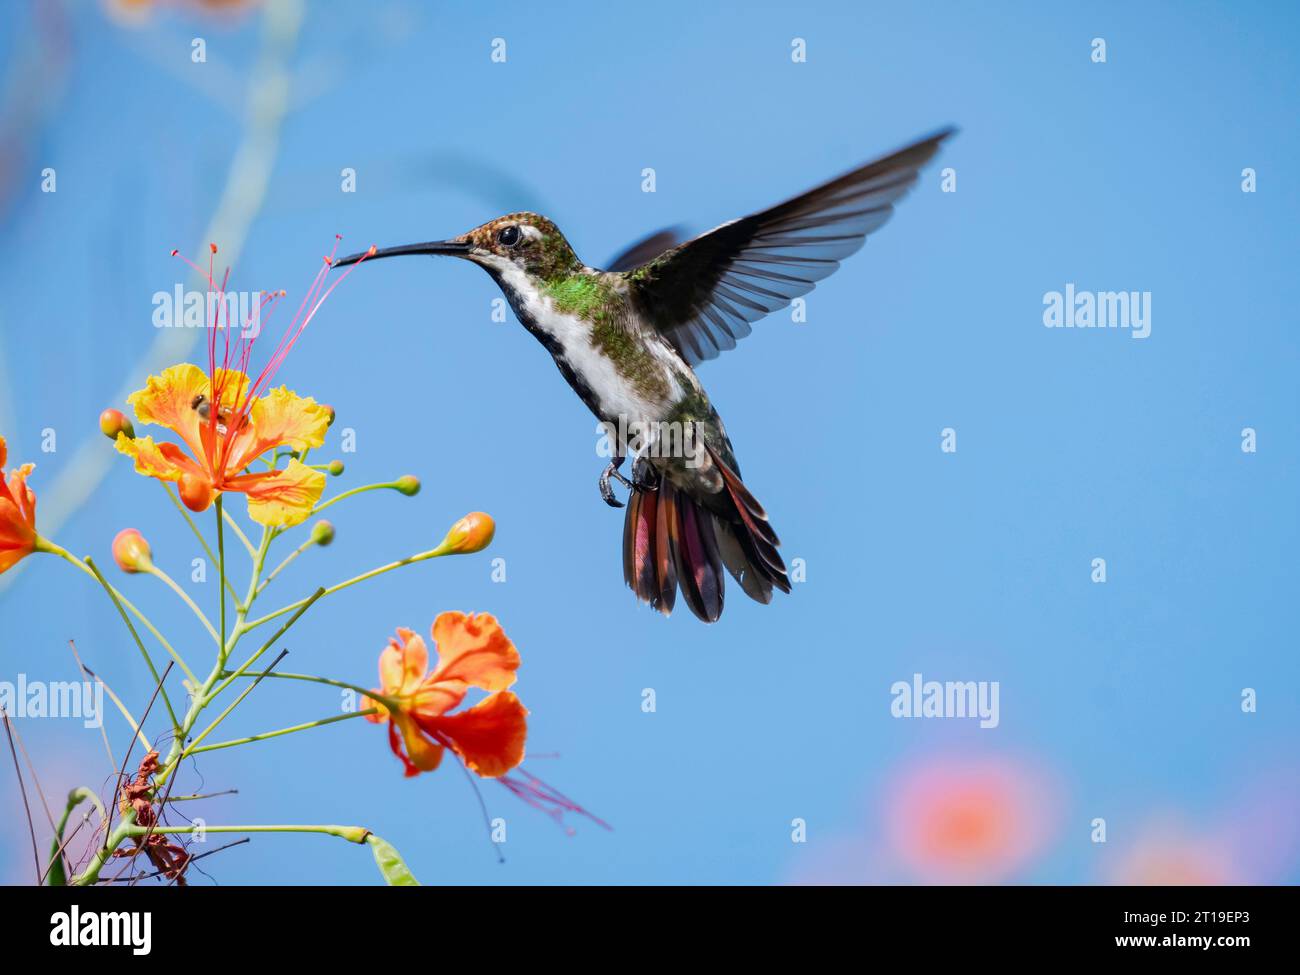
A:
(703, 295)
(646, 249)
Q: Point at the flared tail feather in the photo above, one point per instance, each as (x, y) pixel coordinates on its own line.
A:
(672, 542)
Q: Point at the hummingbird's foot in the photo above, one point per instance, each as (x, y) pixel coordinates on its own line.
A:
(644, 476)
(607, 492)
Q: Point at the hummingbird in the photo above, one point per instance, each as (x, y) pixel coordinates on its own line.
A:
(627, 339)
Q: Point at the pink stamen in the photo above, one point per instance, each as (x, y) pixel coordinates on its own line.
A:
(547, 799)
(242, 354)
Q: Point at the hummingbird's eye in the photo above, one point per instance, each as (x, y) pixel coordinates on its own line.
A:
(508, 236)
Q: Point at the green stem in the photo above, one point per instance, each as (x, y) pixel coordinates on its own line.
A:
(282, 731)
(120, 832)
(128, 828)
(221, 557)
(135, 725)
(387, 702)
(176, 725)
(204, 692)
(207, 549)
(267, 645)
(193, 746)
(229, 519)
(202, 795)
(352, 492)
(174, 586)
(353, 834)
(45, 545)
(433, 553)
(269, 535)
(287, 559)
(54, 866)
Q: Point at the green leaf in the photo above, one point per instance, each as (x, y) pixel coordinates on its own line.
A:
(56, 876)
(391, 865)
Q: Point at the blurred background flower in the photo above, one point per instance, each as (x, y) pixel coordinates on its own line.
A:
(952, 816)
(969, 819)
(1252, 838)
(138, 12)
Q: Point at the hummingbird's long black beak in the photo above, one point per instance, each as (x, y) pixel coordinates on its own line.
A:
(452, 248)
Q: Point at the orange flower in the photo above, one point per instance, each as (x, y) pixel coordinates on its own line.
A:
(473, 651)
(228, 420)
(17, 513)
(224, 439)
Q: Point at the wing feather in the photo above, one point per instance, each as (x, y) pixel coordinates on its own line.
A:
(704, 294)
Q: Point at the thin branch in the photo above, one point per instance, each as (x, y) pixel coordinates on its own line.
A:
(159, 873)
(75, 798)
(135, 725)
(59, 852)
(127, 760)
(162, 805)
(433, 553)
(287, 560)
(45, 545)
(193, 746)
(35, 779)
(364, 692)
(112, 763)
(221, 556)
(184, 597)
(205, 795)
(243, 668)
(112, 594)
(262, 736)
(36, 856)
(229, 519)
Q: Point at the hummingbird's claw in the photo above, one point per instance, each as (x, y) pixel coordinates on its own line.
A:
(607, 492)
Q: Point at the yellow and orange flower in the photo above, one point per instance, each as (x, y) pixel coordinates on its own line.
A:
(225, 432)
(17, 513)
(473, 651)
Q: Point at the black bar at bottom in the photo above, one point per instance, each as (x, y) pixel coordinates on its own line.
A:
(366, 924)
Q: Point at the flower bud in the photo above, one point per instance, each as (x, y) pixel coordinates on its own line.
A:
(330, 411)
(473, 533)
(196, 491)
(408, 484)
(131, 552)
(112, 422)
(322, 533)
(335, 467)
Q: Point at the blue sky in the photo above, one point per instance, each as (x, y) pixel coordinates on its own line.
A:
(974, 565)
